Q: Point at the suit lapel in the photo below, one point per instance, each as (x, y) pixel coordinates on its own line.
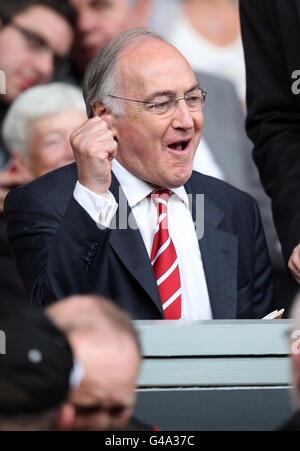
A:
(128, 244)
(219, 255)
(219, 251)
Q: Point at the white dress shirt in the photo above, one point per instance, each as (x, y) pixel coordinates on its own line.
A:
(195, 303)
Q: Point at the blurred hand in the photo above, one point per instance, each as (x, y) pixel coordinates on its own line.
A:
(294, 263)
(9, 180)
(94, 149)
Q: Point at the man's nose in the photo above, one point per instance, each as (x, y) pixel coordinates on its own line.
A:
(182, 117)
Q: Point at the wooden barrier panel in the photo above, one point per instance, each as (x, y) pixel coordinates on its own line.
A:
(215, 375)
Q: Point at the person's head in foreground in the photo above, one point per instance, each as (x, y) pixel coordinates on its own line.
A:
(295, 348)
(37, 127)
(36, 367)
(106, 345)
(35, 36)
(98, 21)
(147, 93)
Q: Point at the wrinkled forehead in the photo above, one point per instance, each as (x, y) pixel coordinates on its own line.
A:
(153, 65)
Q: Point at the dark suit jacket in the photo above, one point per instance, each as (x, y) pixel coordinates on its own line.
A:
(60, 250)
(271, 37)
(11, 288)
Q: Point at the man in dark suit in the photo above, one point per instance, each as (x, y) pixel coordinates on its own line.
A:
(225, 144)
(67, 237)
(271, 37)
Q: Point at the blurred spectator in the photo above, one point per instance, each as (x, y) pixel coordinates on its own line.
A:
(106, 344)
(36, 365)
(207, 32)
(35, 36)
(99, 21)
(36, 129)
(162, 15)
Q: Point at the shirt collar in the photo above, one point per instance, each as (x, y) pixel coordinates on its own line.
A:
(136, 189)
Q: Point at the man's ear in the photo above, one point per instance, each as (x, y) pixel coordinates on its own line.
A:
(66, 417)
(98, 109)
(101, 111)
(142, 9)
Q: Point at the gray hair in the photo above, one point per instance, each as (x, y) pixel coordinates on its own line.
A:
(37, 103)
(101, 78)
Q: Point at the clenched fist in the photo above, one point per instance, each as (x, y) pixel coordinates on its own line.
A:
(94, 149)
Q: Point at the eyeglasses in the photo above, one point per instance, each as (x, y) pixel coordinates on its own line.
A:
(167, 104)
(37, 43)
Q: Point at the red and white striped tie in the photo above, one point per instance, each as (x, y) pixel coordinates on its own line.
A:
(164, 260)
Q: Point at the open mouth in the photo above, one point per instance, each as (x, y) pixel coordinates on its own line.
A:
(179, 146)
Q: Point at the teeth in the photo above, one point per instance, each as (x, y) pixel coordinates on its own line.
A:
(178, 146)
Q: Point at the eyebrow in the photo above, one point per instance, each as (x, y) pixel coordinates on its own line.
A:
(36, 35)
(168, 92)
(25, 29)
